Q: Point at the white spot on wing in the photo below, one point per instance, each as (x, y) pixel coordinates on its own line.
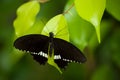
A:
(41, 54)
(57, 57)
(46, 56)
(70, 60)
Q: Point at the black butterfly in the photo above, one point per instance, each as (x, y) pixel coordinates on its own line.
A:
(39, 46)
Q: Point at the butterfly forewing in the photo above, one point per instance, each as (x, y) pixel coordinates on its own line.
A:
(68, 52)
(34, 43)
(37, 45)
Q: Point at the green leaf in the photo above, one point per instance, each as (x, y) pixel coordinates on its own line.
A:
(113, 7)
(92, 11)
(80, 31)
(106, 26)
(58, 26)
(51, 62)
(26, 15)
(37, 27)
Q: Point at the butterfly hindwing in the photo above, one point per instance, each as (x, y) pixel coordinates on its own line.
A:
(39, 59)
(62, 64)
(68, 53)
(37, 45)
(34, 43)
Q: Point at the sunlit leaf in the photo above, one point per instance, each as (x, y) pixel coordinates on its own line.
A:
(58, 26)
(106, 26)
(113, 7)
(26, 15)
(80, 30)
(37, 27)
(92, 11)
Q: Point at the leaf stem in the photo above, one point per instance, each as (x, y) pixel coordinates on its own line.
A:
(67, 11)
(43, 1)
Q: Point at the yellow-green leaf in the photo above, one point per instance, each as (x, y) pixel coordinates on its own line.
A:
(26, 15)
(92, 11)
(58, 26)
(80, 31)
(37, 27)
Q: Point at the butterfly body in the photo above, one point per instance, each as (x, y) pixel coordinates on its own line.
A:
(51, 44)
(47, 49)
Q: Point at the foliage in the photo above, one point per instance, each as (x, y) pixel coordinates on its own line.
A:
(88, 23)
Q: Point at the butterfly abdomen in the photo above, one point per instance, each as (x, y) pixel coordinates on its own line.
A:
(51, 44)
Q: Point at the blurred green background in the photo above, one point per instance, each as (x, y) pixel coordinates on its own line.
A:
(103, 60)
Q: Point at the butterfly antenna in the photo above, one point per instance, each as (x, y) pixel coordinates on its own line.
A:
(62, 34)
(60, 31)
(55, 28)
